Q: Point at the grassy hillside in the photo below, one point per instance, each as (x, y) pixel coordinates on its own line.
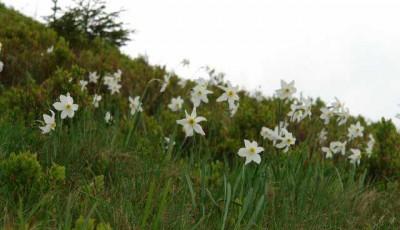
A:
(87, 173)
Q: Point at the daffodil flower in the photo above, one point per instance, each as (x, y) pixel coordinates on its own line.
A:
(165, 83)
(338, 147)
(251, 152)
(191, 123)
(199, 94)
(328, 152)
(176, 104)
(83, 84)
(286, 91)
(93, 77)
(355, 157)
(96, 100)
(370, 146)
(355, 131)
(135, 105)
(108, 118)
(50, 123)
(66, 106)
(229, 95)
(286, 140)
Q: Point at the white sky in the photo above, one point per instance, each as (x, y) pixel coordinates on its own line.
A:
(344, 48)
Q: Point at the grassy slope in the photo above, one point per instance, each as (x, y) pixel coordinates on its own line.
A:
(133, 182)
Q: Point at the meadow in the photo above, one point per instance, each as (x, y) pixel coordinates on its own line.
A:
(93, 139)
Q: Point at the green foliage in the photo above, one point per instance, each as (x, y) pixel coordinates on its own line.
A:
(20, 173)
(386, 160)
(87, 21)
(57, 173)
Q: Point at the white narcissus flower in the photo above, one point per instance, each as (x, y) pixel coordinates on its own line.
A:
(328, 152)
(251, 152)
(326, 115)
(234, 108)
(93, 77)
(355, 131)
(343, 116)
(176, 104)
(118, 75)
(355, 156)
(165, 83)
(338, 147)
(191, 123)
(230, 95)
(96, 100)
(300, 110)
(286, 139)
(66, 106)
(370, 146)
(83, 84)
(286, 91)
(108, 117)
(113, 82)
(135, 105)
(50, 123)
(199, 94)
(323, 136)
(50, 49)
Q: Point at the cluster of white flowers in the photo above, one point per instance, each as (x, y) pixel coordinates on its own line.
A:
(354, 131)
(335, 147)
(300, 109)
(67, 108)
(281, 138)
(113, 82)
(338, 109)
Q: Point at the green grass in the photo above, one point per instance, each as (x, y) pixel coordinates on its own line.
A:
(142, 187)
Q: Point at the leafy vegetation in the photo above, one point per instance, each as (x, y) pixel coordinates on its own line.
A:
(88, 172)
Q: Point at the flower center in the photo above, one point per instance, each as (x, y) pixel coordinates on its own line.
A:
(68, 106)
(191, 121)
(252, 150)
(230, 93)
(53, 125)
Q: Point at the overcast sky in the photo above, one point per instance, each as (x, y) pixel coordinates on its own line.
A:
(344, 48)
